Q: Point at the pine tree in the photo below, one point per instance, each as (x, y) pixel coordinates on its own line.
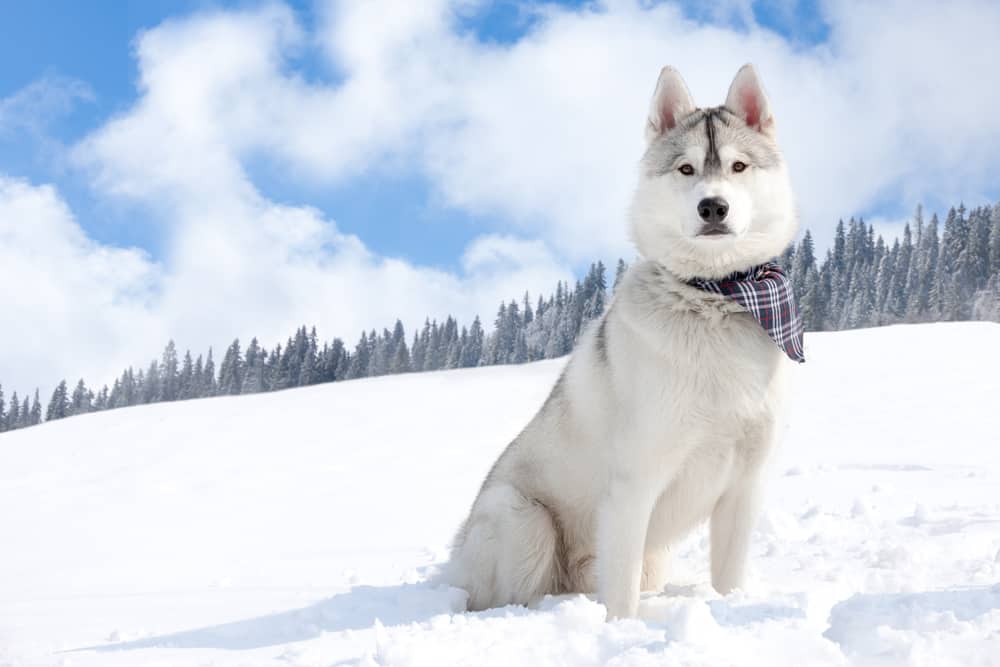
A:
(197, 380)
(472, 354)
(208, 385)
(185, 382)
(36, 410)
(995, 239)
(12, 419)
(805, 259)
(360, 358)
(59, 404)
(152, 386)
(101, 402)
(80, 402)
(337, 360)
(594, 294)
(231, 370)
(3, 412)
(26, 416)
(619, 273)
(308, 372)
(169, 381)
(253, 377)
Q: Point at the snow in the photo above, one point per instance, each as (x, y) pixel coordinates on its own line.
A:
(300, 527)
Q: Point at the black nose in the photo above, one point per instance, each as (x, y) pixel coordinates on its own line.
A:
(713, 209)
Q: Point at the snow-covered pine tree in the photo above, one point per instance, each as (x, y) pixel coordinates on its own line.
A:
(337, 363)
(995, 239)
(805, 259)
(400, 362)
(101, 402)
(253, 376)
(473, 353)
(620, 270)
(26, 415)
(208, 384)
(186, 377)
(896, 297)
(151, 385)
(59, 403)
(197, 389)
(36, 410)
(360, 358)
(308, 372)
(15, 415)
(12, 420)
(169, 381)
(79, 403)
(231, 370)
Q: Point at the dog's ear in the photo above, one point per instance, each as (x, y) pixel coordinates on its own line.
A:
(747, 100)
(671, 102)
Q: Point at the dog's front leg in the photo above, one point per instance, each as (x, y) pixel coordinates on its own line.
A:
(732, 522)
(622, 522)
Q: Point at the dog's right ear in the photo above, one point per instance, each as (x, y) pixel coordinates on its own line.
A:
(671, 102)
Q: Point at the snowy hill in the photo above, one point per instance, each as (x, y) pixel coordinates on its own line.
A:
(295, 528)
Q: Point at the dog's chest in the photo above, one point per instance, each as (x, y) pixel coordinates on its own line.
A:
(710, 377)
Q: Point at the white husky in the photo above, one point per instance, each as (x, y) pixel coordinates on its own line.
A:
(671, 402)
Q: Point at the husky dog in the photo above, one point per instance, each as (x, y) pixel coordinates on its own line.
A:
(671, 402)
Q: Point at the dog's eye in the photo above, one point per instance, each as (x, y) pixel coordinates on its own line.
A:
(687, 170)
(739, 166)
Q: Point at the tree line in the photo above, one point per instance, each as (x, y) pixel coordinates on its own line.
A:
(931, 273)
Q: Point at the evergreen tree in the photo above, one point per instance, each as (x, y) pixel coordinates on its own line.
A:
(185, 381)
(360, 358)
(80, 402)
(36, 410)
(197, 380)
(619, 273)
(805, 259)
(59, 404)
(231, 370)
(995, 239)
(152, 386)
(169, 380)
(12, 419)
(308, 371)
(472, 353)
(337, 360)
(208, 385)
(19, 415)
(101, 402)
(3, 412)
(253, 377)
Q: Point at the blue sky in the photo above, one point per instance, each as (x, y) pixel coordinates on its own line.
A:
(396, 210)
(347, 163)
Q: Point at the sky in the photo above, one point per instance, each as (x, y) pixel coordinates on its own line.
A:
(200, 171)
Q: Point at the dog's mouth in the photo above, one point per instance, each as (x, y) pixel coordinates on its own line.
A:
(714, 230)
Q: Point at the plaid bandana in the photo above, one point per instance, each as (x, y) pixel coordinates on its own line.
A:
(766, 293)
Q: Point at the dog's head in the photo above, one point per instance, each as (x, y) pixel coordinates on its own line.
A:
(713, 195)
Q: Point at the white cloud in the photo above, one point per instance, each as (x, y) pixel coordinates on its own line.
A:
(68, 301)
(32, 107)
(543, 134)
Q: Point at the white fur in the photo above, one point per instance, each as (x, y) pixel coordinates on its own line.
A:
(663, 418)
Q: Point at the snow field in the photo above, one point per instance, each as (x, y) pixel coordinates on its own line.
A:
(299, 528)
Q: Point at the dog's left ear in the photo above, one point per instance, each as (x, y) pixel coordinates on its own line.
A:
(747, 100)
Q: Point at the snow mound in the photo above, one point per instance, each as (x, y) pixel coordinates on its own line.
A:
(303, 527)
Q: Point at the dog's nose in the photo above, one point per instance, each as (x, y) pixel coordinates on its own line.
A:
(713, 209)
